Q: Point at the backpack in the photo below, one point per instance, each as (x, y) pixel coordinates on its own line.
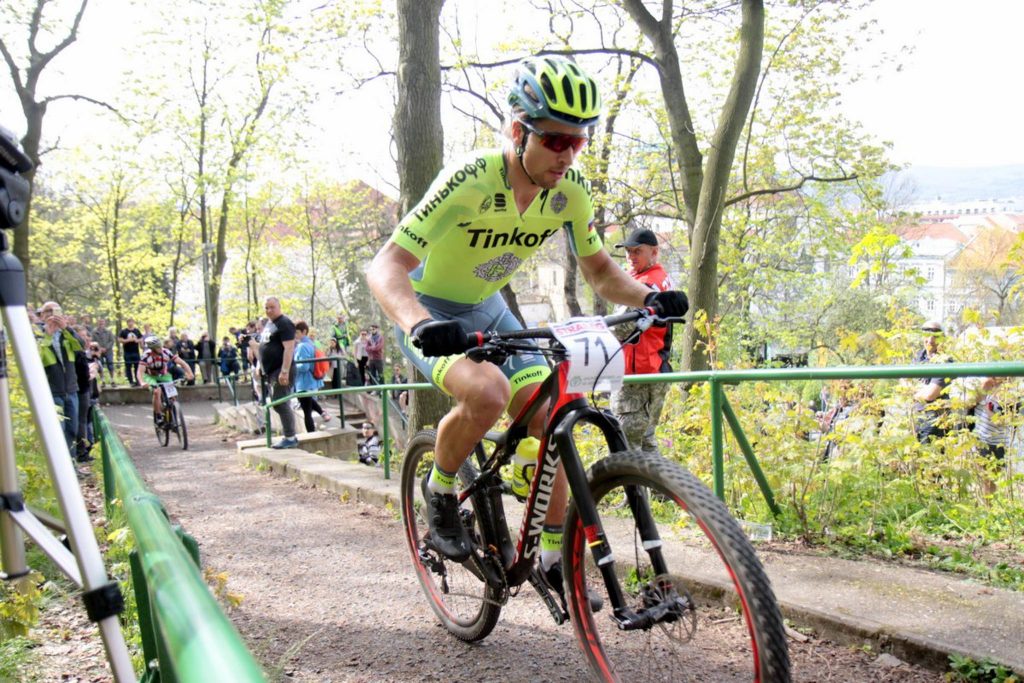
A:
(320, 367)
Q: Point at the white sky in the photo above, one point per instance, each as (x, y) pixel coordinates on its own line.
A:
(957, 100)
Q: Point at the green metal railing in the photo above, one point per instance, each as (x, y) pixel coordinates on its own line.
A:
(385, 434)
(719, 402)
(717, 379)
(185, 634)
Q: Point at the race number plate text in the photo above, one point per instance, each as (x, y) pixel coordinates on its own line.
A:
(595, 357)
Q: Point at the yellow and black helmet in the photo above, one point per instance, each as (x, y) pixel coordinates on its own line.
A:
(553, 87)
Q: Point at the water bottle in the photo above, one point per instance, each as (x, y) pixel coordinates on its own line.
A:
(524, 463)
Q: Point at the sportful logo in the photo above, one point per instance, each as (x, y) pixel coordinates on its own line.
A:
(413, 236)
(499, 202)
(459, 177)
(485, 238)
(534, 524)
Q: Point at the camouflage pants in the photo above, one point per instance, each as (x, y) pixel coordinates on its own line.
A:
(638, 407)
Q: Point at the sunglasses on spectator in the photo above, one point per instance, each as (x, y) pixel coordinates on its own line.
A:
(557, 142)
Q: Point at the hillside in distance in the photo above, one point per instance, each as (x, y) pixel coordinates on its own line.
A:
(932, 183)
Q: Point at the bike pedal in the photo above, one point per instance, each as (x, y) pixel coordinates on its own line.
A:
(555, 606)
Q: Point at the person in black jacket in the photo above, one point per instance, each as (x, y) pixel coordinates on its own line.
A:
(207, 351)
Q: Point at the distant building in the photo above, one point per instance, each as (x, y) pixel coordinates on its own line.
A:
(938, 240)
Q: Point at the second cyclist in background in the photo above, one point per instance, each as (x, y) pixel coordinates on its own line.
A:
(155, 369)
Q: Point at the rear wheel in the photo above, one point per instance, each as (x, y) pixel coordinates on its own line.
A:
(464, 604)
(693, 572)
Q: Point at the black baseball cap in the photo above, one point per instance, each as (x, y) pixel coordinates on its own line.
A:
(638, 237)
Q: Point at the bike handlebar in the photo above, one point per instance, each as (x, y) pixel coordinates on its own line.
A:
(477, 339)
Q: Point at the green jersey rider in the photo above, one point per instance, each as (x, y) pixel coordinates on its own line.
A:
(439, 276)
(155, 369)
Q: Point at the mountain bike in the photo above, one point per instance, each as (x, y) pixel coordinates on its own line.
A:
(680, 576)
(172, 419)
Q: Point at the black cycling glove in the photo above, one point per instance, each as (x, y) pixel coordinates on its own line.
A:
(668, 304)
(439, 337)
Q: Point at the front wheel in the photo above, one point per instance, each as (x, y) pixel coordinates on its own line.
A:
(179, 426)
(685, 565)
(466, 606)
(163, 432)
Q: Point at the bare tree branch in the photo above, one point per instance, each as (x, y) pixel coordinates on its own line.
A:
(789, 188)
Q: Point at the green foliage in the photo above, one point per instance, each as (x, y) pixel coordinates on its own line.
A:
(942, 504)
(967, 670)
(16, 658)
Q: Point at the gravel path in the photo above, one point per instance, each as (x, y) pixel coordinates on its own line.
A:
(327, 593)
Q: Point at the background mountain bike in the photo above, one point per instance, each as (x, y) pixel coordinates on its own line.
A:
(683, 580)
(172, 419)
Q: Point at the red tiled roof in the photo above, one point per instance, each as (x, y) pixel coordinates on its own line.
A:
(935, 231)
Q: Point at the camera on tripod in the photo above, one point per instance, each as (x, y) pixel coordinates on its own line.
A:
(14, 189)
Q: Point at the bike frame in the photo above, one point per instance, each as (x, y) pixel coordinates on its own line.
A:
(565, 411)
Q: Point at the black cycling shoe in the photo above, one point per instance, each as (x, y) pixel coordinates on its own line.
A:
(552, 578)
(447, 534)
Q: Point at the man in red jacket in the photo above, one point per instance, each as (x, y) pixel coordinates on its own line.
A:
(638, 406)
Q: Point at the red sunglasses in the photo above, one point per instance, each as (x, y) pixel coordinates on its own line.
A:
(558, 142)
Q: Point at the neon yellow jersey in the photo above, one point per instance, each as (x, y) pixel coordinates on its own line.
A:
(469, 236)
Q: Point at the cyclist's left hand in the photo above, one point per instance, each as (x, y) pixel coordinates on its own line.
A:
(669, 304)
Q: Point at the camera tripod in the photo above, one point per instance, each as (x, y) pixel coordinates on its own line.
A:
(83, 563)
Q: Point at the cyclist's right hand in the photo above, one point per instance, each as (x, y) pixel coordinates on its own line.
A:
(439, 337)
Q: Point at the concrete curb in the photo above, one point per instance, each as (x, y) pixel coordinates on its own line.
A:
(918, 616)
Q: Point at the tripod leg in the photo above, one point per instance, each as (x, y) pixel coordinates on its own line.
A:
(101, 595)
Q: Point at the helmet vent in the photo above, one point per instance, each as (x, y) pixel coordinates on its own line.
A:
(570, 98)
(549, 88)
(583, 97)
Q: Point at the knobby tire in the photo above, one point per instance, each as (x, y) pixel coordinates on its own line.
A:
(467, 607)
(182, 429)
(713, 578)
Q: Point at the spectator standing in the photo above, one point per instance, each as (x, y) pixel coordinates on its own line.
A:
(304, 379)
(362, 357)
(339, 361)
(931, 400)
(398, 377)
(130, 338)
(83, 430)
(375, 355)
(228, 356)
(638, 406)
(277, 349)
(186, 349)
(206, 351)
(95, 369)
(340, 333)
(104, 338)
(57, 347)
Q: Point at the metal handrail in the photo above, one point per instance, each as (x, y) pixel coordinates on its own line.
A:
(385, 437)
(719, 403)
(185, 630)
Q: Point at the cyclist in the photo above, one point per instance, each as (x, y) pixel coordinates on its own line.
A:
(439, 276)
(155, 369)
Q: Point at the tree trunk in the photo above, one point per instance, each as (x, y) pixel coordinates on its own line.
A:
(419, 139)
(703, 281)
(512, 301)
(703, 189)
